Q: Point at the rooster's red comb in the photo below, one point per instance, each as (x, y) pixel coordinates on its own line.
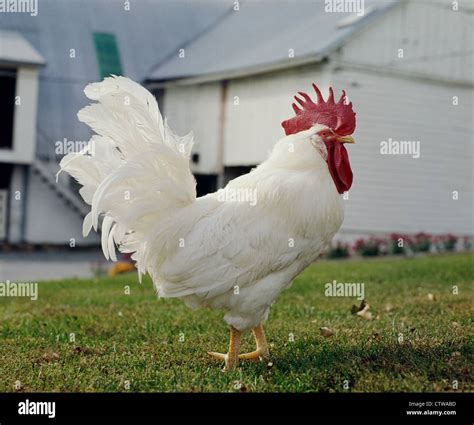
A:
(339, 117)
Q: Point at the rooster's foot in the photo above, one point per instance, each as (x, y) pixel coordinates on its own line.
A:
(259, 354)
(262, 347)
(231, 359)
(230, 362)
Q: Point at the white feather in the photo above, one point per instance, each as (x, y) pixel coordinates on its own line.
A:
(111, 244)
(135, 169)
(106, 226)
(87, 224)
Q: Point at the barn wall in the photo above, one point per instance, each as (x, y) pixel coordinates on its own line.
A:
(255, 108)
(196, 108)
(399, 193)
(49, 220)
(403, 99)
(436, 41)
(16, 211)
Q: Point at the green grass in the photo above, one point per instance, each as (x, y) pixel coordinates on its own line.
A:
(139, 339)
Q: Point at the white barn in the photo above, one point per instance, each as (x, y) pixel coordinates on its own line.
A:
(407, 68)
(228, 70)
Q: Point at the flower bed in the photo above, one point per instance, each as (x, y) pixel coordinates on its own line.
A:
(400, 244)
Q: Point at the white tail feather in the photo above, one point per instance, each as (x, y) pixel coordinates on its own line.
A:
(134, 172)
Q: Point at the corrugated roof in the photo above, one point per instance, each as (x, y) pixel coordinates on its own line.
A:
(15, 49)
(261, 33)
(145, 34)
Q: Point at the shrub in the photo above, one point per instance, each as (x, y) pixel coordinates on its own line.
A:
(368, 247)
(449, 242)
(394, 244)
(421, 242)
(339, 250)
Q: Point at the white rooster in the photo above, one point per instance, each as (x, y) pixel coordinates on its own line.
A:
(212, 251)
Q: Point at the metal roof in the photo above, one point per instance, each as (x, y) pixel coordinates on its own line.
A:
(145, 34)
(259, 36)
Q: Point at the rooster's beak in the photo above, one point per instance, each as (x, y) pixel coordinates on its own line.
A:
(345, 139)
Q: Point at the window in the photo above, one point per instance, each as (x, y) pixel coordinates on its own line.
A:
(108, 55)
(7, 107)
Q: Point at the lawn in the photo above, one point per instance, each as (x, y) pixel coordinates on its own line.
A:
(89, 335)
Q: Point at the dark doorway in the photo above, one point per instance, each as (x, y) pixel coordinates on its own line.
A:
(205, 183)
(5, 175)
(7, 107)
(230, 173)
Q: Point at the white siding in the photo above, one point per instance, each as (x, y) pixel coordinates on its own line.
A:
(436, 41)
(398, 193)
(17, 191)
(197, 108)
(49, 220)
(254, 125)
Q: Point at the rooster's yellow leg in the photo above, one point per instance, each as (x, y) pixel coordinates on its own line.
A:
(262, 346)
(232, 357)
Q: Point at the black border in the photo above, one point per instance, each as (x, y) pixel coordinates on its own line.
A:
(128, 405)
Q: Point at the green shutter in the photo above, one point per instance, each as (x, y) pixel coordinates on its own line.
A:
(108, 56)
